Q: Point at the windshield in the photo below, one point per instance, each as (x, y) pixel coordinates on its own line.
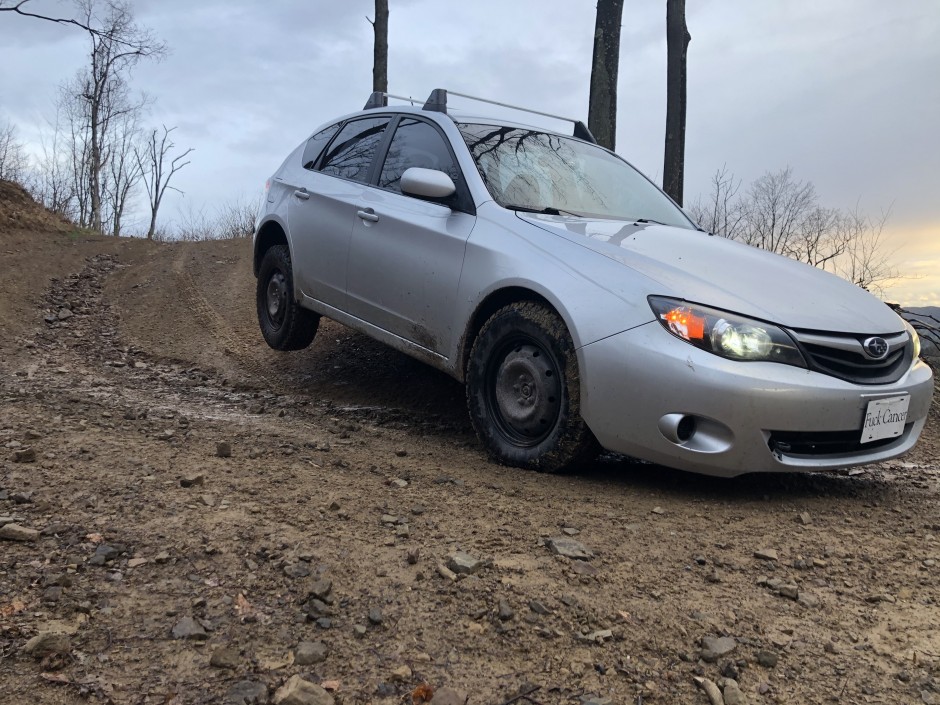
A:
(540, 172)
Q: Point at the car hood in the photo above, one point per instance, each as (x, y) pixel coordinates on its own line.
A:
(718, 272)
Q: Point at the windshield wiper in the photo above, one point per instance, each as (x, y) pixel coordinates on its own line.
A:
(547, 210)
(649, 220)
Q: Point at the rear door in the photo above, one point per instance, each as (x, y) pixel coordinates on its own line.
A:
(407, 253)
(327, 191)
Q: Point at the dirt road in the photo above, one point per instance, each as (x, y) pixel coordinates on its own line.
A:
(200, 518)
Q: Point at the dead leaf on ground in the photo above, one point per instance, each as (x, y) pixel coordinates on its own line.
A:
(94, 538)
(422, 694)
(12, 608)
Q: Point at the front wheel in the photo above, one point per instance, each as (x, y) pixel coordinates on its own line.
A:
(523, 390)
(285, 325)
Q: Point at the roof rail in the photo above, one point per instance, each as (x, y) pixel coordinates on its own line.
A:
(437, 102)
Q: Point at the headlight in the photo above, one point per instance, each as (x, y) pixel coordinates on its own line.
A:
(726, 334)
(915, 339)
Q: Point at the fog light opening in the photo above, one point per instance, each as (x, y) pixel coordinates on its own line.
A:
(685, 429)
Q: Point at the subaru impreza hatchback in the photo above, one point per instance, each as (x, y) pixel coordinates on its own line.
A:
(580, 306)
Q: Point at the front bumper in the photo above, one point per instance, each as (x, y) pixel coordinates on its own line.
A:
(636, 384)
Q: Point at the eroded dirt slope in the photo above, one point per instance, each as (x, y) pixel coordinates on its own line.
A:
(181, 573)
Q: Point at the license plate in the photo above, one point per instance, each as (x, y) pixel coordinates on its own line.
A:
(885, 418)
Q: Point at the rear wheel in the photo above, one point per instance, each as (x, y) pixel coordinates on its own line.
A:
(285, 325)
(523, 390)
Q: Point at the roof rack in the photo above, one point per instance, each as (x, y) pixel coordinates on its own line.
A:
(437, 102)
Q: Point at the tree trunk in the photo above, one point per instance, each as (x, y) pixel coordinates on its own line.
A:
(153, 224)
(94, 169)
(602, 105)
(677, 44)
(380, 51)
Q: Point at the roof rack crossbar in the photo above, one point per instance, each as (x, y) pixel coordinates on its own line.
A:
(438, 101)
(514, 107)
(380, 100)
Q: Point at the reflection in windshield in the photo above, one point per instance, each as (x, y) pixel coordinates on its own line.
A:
(541, 172)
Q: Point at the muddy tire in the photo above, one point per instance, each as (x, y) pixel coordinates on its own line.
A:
(523, 391)
(284, 324)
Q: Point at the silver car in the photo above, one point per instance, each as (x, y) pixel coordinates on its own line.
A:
(580, 306)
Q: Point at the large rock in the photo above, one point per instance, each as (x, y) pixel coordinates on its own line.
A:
(15, 532)
(48, 643)
(297, 691)
(713, 648)
(568, 547)
(463, 563)
(189, 628)
(310, 652)
(732, 693)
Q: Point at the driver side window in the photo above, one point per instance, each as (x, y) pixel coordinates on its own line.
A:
(418, 144)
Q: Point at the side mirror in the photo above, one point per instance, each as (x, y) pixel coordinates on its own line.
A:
(428, 183)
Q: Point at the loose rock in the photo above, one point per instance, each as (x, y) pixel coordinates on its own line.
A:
(225, 657)
(505, 612)
(713, 648)
(48, 643)
(297, 691)
(223, 449)
(15, 532)
(24, 455)
(767, 659)
(733, 694)
(463, 563)
(568, 547)
(401, 674)
(310, 652)
(189, 628)
(766, 554)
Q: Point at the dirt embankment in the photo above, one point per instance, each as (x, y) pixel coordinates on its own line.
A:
(212, 518)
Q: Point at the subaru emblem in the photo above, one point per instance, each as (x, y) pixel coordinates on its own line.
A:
(876, 347)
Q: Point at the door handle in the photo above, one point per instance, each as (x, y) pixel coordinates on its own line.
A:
(368, 214)
(302, 194)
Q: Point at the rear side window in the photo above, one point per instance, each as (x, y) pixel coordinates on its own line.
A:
(416, 143)
(350, 154)
(316, 144)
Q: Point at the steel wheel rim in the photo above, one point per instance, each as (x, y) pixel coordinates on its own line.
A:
(524, 392)
(276, 298)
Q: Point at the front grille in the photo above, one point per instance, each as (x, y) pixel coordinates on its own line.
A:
(825, 442)
(844, 357)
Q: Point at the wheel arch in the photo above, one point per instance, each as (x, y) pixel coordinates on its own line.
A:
(270, 233)
(492, 303)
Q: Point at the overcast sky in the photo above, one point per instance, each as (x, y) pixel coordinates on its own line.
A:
(846, 92)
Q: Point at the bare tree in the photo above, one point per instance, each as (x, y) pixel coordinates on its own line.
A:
(380, 47)
(776, 208)
(53, 181)
(13, 159)
(602, 103)
(677, 45)
(783, 215)
(866, 261)
(156, 171)
(16, 6)
(723, 213)
(123, 172)
(119, 45)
